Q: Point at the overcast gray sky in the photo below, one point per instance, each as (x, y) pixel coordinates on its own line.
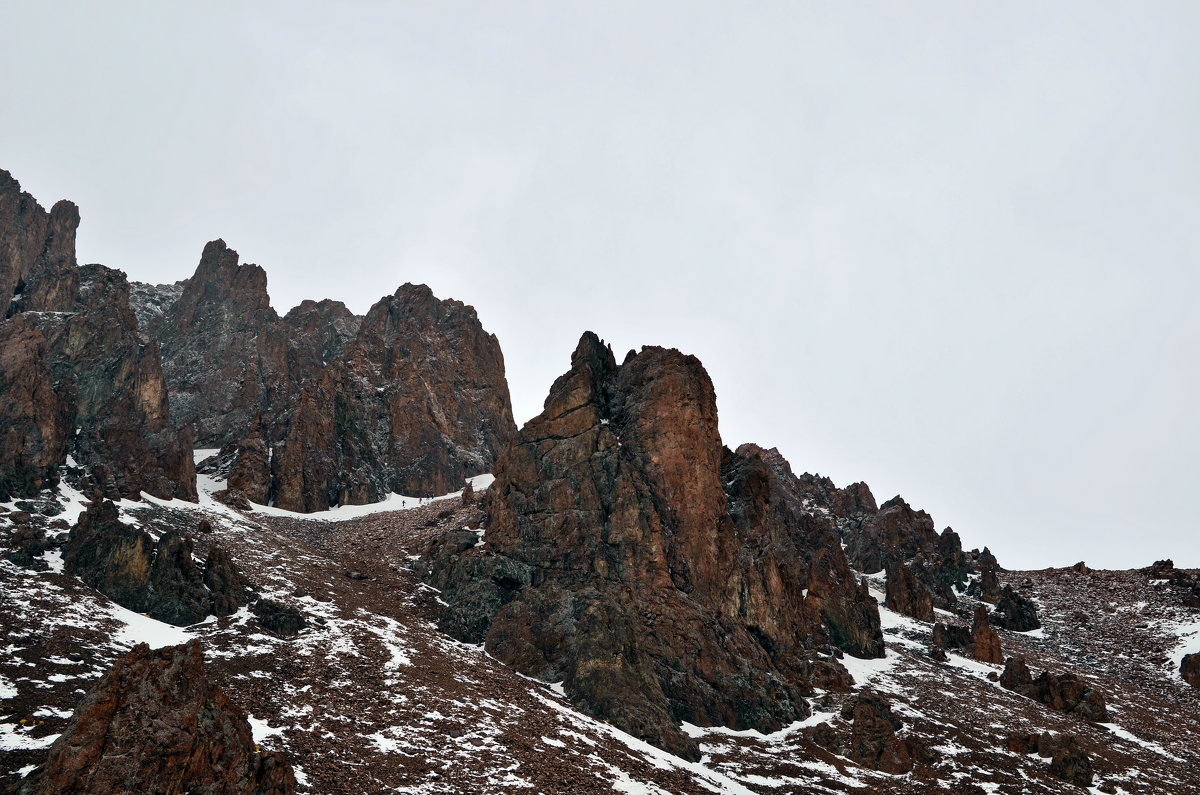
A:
(946, 248)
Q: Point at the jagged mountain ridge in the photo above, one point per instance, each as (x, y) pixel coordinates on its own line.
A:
(743, 629)
(314, 409)
(322, 407)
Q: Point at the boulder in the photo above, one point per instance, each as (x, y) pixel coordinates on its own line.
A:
(1070, 763)
(1015, 612)
(283, 620)
(1189, 669)
(155, 723)
(873, 740)
(1062, 692)
(160, 579)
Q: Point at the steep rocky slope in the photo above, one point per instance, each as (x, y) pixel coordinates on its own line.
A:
(415, 404)
(231, 362)
(369, 697)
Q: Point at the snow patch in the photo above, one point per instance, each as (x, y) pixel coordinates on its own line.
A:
(141, 628)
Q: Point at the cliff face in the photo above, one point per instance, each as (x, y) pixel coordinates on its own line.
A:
(31, 240)
(224, 358)
(323, 407)
(415, 404)
(659, 576)
(71, 332)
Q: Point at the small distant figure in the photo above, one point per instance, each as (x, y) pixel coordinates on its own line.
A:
(468, 494)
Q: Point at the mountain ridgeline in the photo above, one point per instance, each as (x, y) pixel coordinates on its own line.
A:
(624, 558)
(315, 409)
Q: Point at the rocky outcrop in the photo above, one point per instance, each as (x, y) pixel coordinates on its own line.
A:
(415, 404)
(895, 530)
(222, 355)
(923, 565)
(159, 578)
(985, 641)
(1015, 612)
(73, 360)
(250, 475)
(990, 590)
(980, 641)
(659, 576)
(854, 500)
(31, 240)
(231, 362)
(322, 407)
(1189, 669)
(873, 740)
(226, 586)
(155, 723)
(1062, 692)
(1071, 763)
(281, 619)
(906, 594)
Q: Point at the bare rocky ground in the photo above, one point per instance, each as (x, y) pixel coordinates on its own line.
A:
(370, 697)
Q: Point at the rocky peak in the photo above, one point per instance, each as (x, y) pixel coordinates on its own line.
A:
(87, 351)
(317, 332)
(661, 576)
(223, 351)
(415, 404)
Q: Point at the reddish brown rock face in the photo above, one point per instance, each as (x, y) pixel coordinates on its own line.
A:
(37, 420)
(873, 740)
(106, 383)
(415, 404)
(985, 641)
(322, 407)
(232, 364)
(906, 594)
(31, 239)
(668, 579)
(155, 723)
(223, 354)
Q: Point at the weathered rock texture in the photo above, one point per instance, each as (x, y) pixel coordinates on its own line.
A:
(1015, 612)
(1189, 669)
(660, 576)
(37, 419)
(31, 239)
(73, 361)
(1071, 763)
(160, 579)
(1063, 692)
(155, 723)
(231, 362)
(873, 739)
(322, 407)
(415, 404)
(985, 641)
(906, 594)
